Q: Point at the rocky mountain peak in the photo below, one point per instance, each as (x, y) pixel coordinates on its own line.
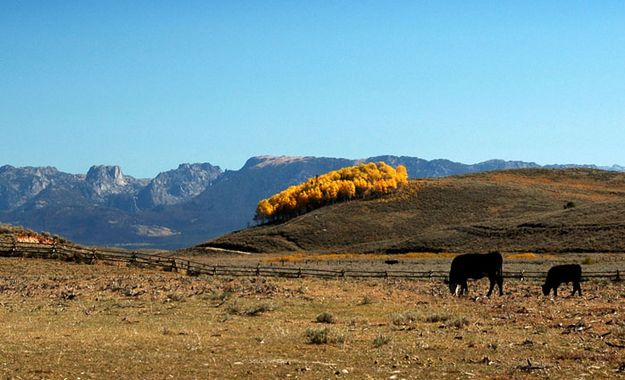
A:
(178, 185)
(43, 171)
(104, 174)
(264, 161)
(18, 185)
(104, 180)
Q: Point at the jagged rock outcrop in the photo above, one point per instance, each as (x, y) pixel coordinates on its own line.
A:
(19, 185)
(179, 185)
(102, 181)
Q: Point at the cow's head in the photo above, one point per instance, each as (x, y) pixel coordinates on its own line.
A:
(453, 287)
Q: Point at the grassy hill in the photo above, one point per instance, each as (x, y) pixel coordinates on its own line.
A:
(9, 234)
(539, 210)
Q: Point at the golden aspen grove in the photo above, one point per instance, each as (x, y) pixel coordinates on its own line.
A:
(360, 181)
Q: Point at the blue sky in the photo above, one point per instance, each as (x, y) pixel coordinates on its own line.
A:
(150, 84)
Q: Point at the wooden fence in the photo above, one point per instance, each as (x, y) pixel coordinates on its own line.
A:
(193, 268)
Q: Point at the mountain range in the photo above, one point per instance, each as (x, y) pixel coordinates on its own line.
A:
(183, 206)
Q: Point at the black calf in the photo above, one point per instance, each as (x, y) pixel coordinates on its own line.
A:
(563, 274)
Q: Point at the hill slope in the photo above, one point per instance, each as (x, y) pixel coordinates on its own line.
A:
(517, 210)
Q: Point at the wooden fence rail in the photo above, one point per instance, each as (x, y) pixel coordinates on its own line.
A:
(90, 256)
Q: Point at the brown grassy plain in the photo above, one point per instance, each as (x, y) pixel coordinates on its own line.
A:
(63, 320)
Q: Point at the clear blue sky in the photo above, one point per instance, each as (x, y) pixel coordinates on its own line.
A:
(150, 84)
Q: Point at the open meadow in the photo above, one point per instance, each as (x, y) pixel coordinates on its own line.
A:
(65, 320)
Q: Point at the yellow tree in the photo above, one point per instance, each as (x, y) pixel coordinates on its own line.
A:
(361, 181)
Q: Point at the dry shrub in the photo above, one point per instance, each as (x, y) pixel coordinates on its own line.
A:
(587, 261)
(217, 295)
(435, 318)
(381, 340)
(67, 295)
(317, 336)
(366, 300)
(459, 322)
(251, 311)
(234, 309)
(323, 336)
(263, 286)
(174, 297)
(255, 310)
(399, 319)
(326, 317)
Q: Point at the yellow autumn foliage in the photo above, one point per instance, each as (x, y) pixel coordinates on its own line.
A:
(361, 181)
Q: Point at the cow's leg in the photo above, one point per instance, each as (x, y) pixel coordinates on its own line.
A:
(465, 288)
(500, 284)
(555, 291)
(457, 290)
(491, 285)
(578, 288)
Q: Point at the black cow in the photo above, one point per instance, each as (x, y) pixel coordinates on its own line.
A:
(476, 266)
(559, 274)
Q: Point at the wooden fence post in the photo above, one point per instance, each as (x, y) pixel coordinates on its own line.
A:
(618, 276)
(174, 267)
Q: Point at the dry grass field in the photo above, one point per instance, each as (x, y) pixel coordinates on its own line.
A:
(64, 320)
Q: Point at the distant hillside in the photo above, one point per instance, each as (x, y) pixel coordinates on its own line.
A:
(538, 210)
(179, 207)
(11, 234)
